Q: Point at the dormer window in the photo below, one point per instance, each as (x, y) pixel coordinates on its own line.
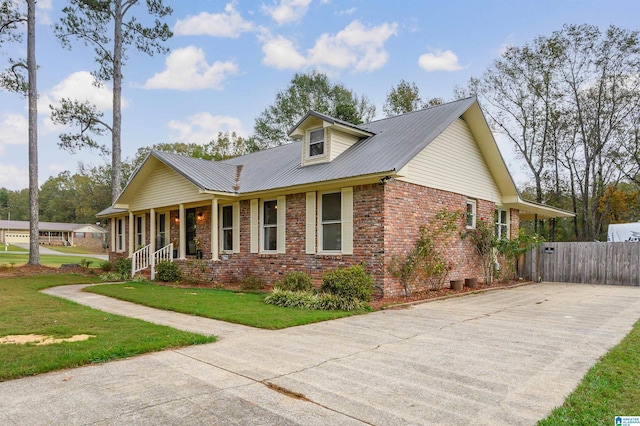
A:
(316, 142)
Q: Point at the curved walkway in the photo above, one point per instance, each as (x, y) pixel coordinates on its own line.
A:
(503, 357)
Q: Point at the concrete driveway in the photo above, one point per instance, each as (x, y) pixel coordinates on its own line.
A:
(503, 357)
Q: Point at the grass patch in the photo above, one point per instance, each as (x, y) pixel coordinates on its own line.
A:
(53, 260)
(24, 310)
(609, 389)
(12, 248)
(73, 250)
(236, 307)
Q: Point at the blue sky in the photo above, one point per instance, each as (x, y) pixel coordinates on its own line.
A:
(229, 58)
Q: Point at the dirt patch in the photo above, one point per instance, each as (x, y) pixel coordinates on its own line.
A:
(39, 340)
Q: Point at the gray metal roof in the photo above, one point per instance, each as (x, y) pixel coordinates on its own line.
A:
(395, 141)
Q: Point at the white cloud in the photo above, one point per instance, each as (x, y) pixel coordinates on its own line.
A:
(288, 10)
(187, 69)
(14, 130)
(356, 46)
(227, 24)
(12, 177)
(280, 53)
(203, 127)
(80, 86)
(438, 60)
(43, 12)
(350, 11)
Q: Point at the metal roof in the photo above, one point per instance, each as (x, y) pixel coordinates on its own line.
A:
(395, 141)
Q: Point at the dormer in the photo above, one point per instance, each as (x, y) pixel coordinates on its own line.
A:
(324, 138)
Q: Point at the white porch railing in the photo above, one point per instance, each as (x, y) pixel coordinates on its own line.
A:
(140, 260)
(165, 253)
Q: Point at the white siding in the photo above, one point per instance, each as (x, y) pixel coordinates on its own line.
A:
(453, 162)
(340, 142)
(165, 187)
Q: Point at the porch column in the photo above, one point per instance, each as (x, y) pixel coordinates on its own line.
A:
(214, 229)
(131, 232)
(112, 243)
(152, 230)
(183, 232)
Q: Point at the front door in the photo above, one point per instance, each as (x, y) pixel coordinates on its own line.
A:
(191, 231)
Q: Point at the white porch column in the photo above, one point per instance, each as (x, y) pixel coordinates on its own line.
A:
(183, 232)
(131, 232)
(112, 243)
(152, 230)
(214, 229)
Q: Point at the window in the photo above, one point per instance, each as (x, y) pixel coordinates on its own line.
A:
(139, 232)
(471, 214)
(316, 142)
(270, 225)
(227, 228)
(502, 223)
(79, 235)
(331, 221)
(120, 234)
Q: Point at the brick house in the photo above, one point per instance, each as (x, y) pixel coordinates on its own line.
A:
(84, 235)
(341, 195)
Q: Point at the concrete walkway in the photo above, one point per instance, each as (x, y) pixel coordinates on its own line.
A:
(504, 357)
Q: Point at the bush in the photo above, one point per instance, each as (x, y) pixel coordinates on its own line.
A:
(295, 281)
(123, 267)
(168, 271)
(349, 283)
(252, 283)
(85, 263)
(309, 300)
(106, 266)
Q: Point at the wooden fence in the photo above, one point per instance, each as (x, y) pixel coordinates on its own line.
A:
(589, 263)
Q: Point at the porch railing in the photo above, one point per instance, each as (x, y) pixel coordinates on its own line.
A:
(140, 260)
(165, 253)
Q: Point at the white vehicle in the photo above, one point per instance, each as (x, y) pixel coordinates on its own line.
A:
(624, 232)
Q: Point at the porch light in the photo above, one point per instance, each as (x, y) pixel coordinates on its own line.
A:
(200, 215)
(177, 219)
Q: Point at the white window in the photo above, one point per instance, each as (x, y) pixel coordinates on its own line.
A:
(139, 232)
(331, 218)
(502, 223)
(227, 228)
(471, 214)
(270, 225)
(316, 142)
(120, 234)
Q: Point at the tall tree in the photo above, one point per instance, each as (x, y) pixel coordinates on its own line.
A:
(313, 91)
(403, 98)
(12, 19)
(90, 22)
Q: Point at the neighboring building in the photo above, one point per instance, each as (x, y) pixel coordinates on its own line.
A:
(342, 195)
(54, 234)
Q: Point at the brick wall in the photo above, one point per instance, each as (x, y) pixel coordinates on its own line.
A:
(387, 221)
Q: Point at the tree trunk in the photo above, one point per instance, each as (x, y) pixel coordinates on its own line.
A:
(34, 234)
(116, 151)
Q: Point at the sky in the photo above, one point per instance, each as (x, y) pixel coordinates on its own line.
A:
(228, 59)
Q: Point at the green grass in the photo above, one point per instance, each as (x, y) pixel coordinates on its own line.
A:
(611, 388)
(12, 248)
(74, 250)
(24, 310)
(19, 259)
(236, 307)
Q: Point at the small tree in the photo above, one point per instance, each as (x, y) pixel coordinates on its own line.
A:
(483, 240)
(512, 249)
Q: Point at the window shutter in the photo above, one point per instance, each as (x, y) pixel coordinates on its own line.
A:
(254, 226)
(282, 228)
(311, 223)
(236, 227)
(347, 220)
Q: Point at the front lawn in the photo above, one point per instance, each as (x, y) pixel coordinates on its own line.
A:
(611, 388)
(236, 307)
(24, 310)
(18, 259)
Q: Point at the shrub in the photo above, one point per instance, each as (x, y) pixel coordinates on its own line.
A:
(85, 263)
(317, 301)
(110, 276)
(349, 283)
(295, 281)
(168, 271)
(252, 283)
(106, 266)
(123, 267)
